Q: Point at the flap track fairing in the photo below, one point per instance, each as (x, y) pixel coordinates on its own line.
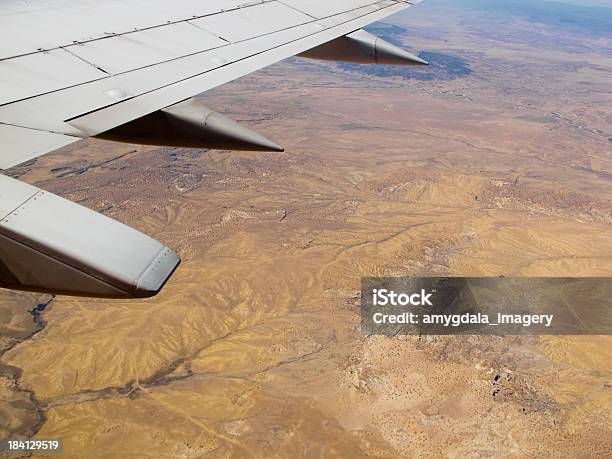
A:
(190, 124)
(362, 47)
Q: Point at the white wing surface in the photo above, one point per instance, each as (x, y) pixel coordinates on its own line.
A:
(77, 68)
(127, 70)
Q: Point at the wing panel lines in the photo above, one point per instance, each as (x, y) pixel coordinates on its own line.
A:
(102, 120)
(246, 23)
(200, 71)
(84, 51)
(59, 23)
(29, 76)
(145, 48)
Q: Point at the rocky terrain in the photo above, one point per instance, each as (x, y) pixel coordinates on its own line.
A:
(254, 347)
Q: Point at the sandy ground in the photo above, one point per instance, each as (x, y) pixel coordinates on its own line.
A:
(254, 347)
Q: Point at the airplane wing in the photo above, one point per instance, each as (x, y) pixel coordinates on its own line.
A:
(126, 70)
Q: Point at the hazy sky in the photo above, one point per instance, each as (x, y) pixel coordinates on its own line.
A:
(607, 3)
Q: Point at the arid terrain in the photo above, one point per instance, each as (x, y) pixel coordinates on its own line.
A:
(254, 347)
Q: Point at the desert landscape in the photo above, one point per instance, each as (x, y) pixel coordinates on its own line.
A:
(495, 160)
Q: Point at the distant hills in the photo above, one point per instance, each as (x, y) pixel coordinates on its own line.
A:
(597, 20)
